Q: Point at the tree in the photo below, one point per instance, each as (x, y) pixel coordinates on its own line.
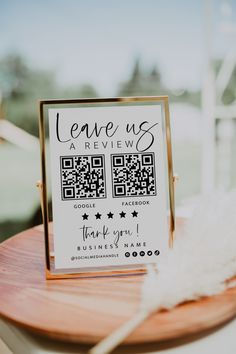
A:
(142, 83)
(23, 86)
(149, 83)
(13, 75)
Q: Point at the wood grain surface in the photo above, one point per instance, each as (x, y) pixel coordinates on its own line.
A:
(86, 310)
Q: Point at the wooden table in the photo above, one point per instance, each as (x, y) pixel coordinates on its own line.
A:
(85, 310)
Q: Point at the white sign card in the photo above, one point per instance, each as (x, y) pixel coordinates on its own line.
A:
(109, 185)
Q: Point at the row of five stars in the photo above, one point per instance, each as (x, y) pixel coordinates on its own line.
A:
(110, 215)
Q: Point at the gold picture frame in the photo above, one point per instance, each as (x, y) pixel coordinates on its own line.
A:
(46, 104)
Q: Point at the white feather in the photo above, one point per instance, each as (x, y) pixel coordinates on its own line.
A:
(203, 258)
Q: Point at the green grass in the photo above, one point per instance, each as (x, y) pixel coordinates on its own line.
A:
(187, 164)
(20, 169)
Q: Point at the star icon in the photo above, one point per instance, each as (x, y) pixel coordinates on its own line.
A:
(134, 213)
(85, 216)
(98, 215)
(122, 214)
(110, 215)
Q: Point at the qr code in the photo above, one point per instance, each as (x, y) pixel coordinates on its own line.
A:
(133, 175)
(83, 177)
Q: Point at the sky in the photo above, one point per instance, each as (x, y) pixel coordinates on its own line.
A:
(97, 41)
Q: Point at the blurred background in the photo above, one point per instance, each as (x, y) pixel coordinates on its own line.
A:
(75, 48)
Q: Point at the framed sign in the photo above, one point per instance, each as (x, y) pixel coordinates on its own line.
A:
(108, 166)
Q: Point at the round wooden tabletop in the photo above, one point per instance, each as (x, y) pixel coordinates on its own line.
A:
(88, 309)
